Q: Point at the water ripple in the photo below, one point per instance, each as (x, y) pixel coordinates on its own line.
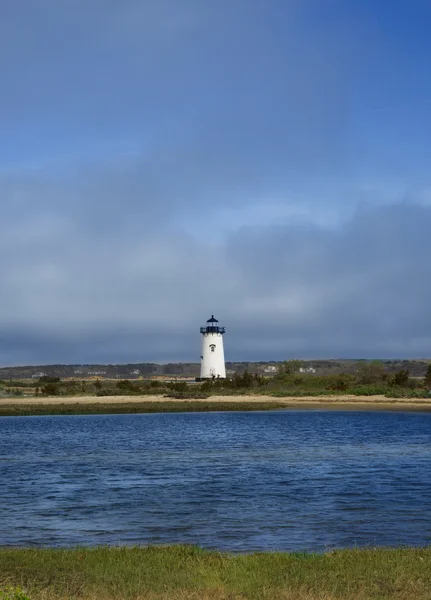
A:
(286, 480)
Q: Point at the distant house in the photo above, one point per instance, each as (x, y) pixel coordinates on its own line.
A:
(307, 370)
(270, 369)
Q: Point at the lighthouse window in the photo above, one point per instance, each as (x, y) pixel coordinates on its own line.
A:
(212, 346)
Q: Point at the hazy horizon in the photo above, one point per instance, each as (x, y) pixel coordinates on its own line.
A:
(197, 362)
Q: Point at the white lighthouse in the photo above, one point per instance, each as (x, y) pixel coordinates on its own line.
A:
(212, 355)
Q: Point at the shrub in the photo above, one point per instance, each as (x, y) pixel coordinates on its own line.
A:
(397, 392)
(50, 389)
(179, 387)
(125, 385)
(401, 378)
(371, 372)
(48, 379)
(340, 383)
(368, 390)
(244, 381)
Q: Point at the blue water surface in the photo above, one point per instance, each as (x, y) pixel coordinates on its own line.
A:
(285, 480)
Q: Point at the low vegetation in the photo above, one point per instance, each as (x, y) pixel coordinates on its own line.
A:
(183, 572)
(367, 379)
(22, 410)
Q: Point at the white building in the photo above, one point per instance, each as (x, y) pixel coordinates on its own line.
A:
(212, 355)
(307, 370)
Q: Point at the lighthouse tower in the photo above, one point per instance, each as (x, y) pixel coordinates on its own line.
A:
(212, 356)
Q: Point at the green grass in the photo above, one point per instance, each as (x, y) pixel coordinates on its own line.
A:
(170, 406)
(16, 410)
(181, 572)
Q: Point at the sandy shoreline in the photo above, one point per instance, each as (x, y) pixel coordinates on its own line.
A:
(346, 402)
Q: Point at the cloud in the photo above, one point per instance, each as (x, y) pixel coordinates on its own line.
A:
(166, 160)
(356, 289)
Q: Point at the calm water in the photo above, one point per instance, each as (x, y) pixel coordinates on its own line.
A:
(236, 481)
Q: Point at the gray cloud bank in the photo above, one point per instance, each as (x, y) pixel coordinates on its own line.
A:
(139, 292)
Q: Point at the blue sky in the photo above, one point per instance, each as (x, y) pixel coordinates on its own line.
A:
(263, 160)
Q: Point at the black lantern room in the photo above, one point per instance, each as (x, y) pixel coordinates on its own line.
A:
(212, 326)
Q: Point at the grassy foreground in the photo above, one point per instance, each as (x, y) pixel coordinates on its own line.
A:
(180, 572)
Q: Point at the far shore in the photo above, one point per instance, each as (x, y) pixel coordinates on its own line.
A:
(253, 402)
